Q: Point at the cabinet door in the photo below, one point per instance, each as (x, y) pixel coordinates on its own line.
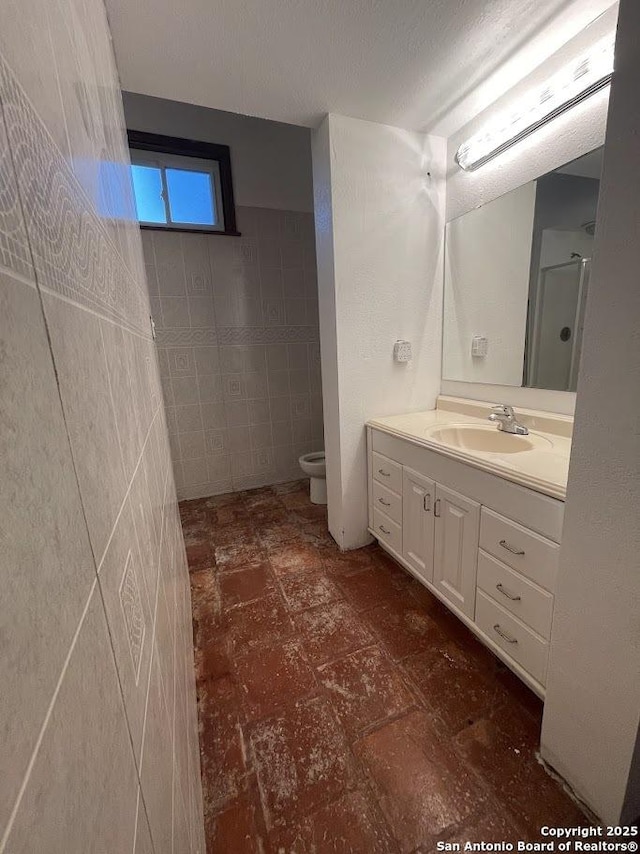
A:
(457, 525)
(418, 494)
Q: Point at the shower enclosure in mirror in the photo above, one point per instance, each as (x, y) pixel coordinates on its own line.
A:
(516, 279)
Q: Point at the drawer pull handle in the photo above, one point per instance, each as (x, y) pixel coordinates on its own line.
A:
(504, 635)
(384, 530)
(512, 549)
(426, 502)
(384, 473)
(385, 503)
(507, 594)
(436, 508)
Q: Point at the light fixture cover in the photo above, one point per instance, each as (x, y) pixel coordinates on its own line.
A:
(577, 81)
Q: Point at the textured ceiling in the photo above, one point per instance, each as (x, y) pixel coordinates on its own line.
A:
(416, 64)
(587, 166)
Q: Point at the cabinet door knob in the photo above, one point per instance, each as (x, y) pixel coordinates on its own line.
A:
(426, 502)
(513, 549)
(503, 634)
(384, 530)
(507, 594)
(436, 508)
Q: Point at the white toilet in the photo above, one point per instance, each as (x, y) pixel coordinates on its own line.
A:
(313, 465)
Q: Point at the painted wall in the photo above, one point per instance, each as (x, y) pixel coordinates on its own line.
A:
(379, 235)
(237, 336)
(577, 132)
(486, 288)
(557, 246)
(323, 212)
(99, 748)
(593, 687)
(271, 161)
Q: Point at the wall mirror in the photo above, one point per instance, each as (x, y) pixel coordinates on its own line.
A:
(516, 279)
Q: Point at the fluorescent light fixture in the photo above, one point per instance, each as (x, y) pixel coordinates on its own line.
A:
(577, 81)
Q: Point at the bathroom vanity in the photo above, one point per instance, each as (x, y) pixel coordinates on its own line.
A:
(476, 514)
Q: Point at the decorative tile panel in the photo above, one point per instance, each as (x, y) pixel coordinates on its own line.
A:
(197, 283)
(14, 246)
(67, 224)
(133, 613)
(72, 252)
(248, 252)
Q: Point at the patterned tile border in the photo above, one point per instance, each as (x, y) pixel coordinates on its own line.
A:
(186, 337)
(73, 254)
(267, 334)
(230, 335)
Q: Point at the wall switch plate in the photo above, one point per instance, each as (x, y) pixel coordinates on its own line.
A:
(402, 351)
(479, 346)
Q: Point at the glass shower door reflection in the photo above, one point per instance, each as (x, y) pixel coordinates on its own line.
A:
(559, 321)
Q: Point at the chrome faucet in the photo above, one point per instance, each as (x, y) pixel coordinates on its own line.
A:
(506, 419)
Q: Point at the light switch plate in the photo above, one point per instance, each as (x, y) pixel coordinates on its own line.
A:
(479, 346)
(402, 351)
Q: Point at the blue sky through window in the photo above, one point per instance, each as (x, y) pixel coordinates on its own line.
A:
(147, 187)
(190, 197)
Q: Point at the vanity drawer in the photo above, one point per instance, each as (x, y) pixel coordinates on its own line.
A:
(387, 501)
(532, 604)
(388, 472)
(520, 643)
(519, 548)
(387, 530)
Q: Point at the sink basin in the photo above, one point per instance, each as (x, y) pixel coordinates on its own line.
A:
(485, 440)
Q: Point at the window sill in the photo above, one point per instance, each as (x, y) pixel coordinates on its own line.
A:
(190, 230)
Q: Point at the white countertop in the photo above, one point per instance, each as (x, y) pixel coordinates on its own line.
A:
(543, 468)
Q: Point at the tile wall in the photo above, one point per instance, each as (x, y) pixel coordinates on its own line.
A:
(99, 745)
(237, 335)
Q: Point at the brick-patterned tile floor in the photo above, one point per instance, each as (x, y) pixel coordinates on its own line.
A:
(342, 708)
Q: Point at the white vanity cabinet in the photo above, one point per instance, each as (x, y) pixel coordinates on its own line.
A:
(439, 537)
(457, 522)
(434, 529)
(487, 547)
(418, 522)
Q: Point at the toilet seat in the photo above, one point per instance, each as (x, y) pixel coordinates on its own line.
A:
(315, 467)
(314, 464)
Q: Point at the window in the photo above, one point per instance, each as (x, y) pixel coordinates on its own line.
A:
(177, 191)
(181, 184)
